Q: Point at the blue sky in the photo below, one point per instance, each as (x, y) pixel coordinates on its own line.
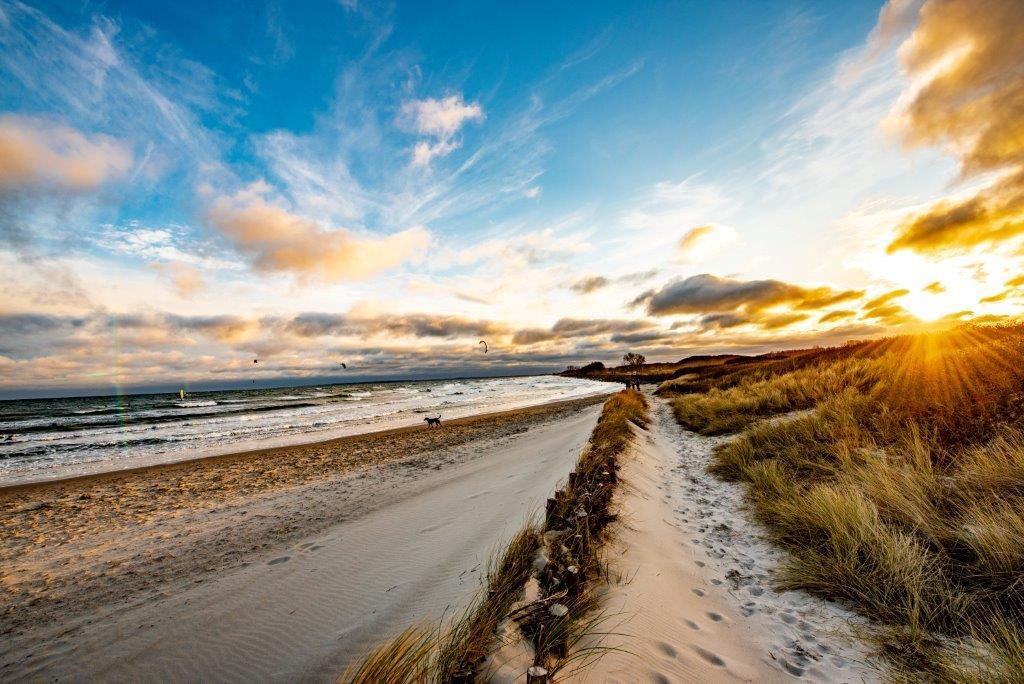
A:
(201, 179)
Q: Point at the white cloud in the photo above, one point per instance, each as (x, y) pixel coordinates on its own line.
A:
(424, 151)
(440, 119)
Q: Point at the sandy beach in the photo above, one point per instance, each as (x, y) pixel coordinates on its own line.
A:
(165, 570)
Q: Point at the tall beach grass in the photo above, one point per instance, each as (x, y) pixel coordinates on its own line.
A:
(898, 487)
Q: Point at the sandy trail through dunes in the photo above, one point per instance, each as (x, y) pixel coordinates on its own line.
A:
(699, 605)
(416, 539)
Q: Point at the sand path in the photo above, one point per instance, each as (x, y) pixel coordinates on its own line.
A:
(303, 611)
(699, 605)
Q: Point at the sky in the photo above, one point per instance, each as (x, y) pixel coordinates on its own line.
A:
(184, 189)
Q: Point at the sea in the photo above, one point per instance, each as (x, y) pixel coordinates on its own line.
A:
(42, 439)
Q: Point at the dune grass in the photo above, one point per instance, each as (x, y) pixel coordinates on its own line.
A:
(408, 657)
(456, 651)
(901, 493)
(469, 640)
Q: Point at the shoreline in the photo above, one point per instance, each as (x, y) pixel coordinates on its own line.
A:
(80, 549)
(7, 488)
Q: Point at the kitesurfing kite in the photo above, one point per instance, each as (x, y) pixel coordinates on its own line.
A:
(343, 365)
(485, 346)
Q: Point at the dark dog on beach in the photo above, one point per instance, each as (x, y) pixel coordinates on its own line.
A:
(431, 422)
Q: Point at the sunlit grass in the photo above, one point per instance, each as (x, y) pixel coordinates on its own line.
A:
(901, 492)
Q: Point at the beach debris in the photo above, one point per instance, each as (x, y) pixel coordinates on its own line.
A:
(483, 342)
(540, 561)
(537, 675)
(558, 609)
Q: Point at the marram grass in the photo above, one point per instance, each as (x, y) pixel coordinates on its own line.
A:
(898, 487)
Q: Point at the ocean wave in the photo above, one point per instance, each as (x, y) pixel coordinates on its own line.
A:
(158, 419)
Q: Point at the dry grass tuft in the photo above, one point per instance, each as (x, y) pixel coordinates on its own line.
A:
(469, 641)
(407, 657)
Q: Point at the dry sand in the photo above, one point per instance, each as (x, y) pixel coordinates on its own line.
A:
(275, 564)
(698, 604)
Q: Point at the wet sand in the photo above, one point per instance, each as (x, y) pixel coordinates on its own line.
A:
(147, 566)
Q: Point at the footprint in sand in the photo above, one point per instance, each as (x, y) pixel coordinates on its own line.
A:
(698, 592)
(429, 529)
(668, 650)
(282, 559)
(715, 617)
(691, 624)
(709, 656)
(792, 669)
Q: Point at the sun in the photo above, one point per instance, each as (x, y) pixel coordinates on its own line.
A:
(929, 306)
(962, 284)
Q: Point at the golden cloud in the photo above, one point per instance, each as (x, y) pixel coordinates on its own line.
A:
(886, 298)
(279, 240)
(705, 240)
(34, 152)
(966, 57)
(837, 315)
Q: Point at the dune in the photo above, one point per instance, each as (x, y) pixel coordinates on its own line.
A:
(697, 602)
